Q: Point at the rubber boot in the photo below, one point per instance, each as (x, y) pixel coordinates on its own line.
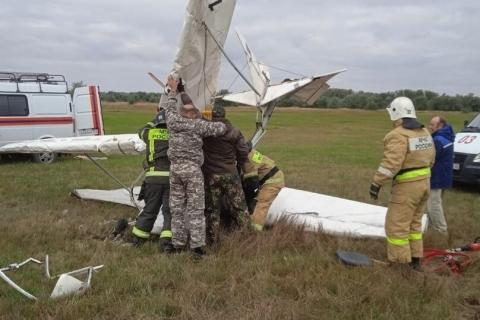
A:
(166, 245)
(138, 242)
(416, 264)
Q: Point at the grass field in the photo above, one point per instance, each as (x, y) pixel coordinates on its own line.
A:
(279, 274)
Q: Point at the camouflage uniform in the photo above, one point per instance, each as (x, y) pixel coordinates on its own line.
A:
(187, 197)
(230, 186)
(155, 189)
(225, 198)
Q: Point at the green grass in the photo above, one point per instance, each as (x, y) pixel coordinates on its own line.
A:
(279, 274)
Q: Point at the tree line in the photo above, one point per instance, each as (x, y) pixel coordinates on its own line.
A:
(339, 98)
(423, 100)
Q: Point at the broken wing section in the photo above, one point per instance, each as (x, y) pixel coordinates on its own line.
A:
(307, 90)
(198, 58)
(258, 73)
(310, 92)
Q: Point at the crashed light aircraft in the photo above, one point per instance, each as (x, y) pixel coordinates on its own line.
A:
(198, 63)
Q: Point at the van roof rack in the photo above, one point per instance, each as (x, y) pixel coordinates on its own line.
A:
(31, 77)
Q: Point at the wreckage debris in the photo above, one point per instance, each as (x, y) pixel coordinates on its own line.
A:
(67, 284)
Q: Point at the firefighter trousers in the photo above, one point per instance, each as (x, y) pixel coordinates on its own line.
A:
(403, 224)
(265, 197)
(155, 196)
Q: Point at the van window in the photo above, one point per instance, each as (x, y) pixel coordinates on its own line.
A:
(13, 105)
(49, 104)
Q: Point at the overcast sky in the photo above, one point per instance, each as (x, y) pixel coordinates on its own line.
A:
(385, 45)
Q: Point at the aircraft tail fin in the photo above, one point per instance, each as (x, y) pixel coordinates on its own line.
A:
(259, 73)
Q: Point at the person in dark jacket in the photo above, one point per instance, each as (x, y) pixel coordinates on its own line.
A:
(222, 155)
(156, 187)
(442, 171)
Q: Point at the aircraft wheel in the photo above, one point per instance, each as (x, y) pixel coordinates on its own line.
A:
(45, 158)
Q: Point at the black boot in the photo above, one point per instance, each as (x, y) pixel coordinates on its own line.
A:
(416, 264)
(198, 253)
(166, 246)
(138, 242)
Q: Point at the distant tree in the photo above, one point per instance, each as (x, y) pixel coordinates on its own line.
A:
(333, 98)
(76, 84)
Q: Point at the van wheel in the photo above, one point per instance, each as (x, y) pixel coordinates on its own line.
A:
(46, 157)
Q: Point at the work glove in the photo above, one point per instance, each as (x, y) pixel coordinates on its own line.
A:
(250, 187)
(374, 191)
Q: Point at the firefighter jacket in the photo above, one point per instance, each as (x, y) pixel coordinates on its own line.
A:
(408, 156)
(222, 153)
(157, 164)
(262, 166)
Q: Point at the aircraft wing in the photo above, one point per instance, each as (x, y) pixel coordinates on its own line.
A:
(311, 211)
(126, 144)
(307, 90)
(310, 92)
(199, 55)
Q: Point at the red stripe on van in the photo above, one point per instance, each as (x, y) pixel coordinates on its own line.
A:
(25, 121)
(94, 107)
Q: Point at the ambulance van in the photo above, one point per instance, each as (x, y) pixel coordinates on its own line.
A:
(38, 106)
(466, 163)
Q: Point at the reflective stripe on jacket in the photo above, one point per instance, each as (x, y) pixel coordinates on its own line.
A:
(158, 164)
(408, 155)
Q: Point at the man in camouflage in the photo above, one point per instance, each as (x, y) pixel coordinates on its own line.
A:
(187, 194)
(222, 154)
(155, 188)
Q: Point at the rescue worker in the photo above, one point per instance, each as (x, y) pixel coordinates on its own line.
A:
(408, 156)
(262, 181)
(156, 187)
(222, 154)
(187, 197)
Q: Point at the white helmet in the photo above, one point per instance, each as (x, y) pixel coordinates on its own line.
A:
(401, 107)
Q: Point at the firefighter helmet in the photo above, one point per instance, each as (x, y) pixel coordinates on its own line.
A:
(160, 119)
(401, 107)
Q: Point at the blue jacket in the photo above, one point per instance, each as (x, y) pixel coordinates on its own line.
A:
(442, 171)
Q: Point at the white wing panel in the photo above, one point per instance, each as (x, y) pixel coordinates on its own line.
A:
(129, 144)
(198, 57)
(258, 73)
(332, 215)
(313, 211)
(247, 97)
(312, 91)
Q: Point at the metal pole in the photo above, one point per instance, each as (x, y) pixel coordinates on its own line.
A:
(230, 61)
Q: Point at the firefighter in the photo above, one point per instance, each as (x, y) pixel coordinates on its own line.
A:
(409, 154)
(262, 181)
(156, 186)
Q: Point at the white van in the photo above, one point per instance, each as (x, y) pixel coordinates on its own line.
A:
(466, 163)
(38, 106)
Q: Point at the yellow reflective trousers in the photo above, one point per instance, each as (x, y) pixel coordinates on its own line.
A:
(403, 224)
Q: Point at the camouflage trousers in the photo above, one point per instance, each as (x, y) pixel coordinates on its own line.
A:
(227, 187)
(187, 204)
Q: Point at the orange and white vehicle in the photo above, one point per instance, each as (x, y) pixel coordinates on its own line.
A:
(38, 106)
